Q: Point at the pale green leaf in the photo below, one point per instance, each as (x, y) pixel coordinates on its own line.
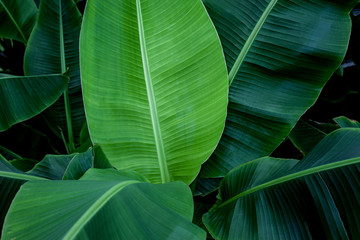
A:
(155, 85)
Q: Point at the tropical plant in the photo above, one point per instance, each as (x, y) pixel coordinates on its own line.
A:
(197, 94)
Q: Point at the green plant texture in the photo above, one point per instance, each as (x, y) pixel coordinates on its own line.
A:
(193, 119)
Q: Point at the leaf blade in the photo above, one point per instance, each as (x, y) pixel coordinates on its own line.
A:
(280, 76)
(189, 105)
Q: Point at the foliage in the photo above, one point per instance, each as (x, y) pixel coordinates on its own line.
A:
(201, 119)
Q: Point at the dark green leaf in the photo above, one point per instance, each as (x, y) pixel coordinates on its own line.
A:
(279, 54)
(53, 48)
(8, 154)
(23, 164)
(53, 166)
(306, 134)
(17, 19)
(24, 97)
(266, 198)
(79, 165)
(344, 122)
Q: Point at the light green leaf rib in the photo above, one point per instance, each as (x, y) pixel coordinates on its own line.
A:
(165, 175)
(101, 209)
(155, 85)
(270, 198)
(293, 176)
(94, 208)
(58, 24)
(20, 176)
(248, 44)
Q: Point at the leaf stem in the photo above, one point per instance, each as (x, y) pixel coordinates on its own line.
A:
(71, 144)
(164, 171)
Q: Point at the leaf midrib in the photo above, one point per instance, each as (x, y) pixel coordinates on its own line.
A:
(70, 146)
(20, 176)
(248, 44)
(15, 23)
(165, 176)
(293, 176)
(94, 208)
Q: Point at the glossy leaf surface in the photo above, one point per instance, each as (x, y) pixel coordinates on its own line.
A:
(17, 19)
(155, 85)
(267, 198)
(101, 209)
(279, 54)
(24, 97)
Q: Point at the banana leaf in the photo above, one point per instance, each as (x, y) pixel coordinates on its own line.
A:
(344, 122)
(10, 181)
(315, 198)
(22, 98)
(8, 154)
(94, 209)
(70, 167)
(17, 19)
(23, 164)
(53, 48)
(306, 134)
(154, 84)
(279, 55)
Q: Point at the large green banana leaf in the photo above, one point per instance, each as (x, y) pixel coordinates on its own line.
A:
(17, 19)
(90, 209)
(316, 197)
(24, 97)
(279, 53)
(53, 48)
(154, 83)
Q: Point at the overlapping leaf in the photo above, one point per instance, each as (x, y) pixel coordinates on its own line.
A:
(155, 85)
(53, 48)
(268, 199)
(24, 97)
(10, 181)
(87, 209)
(279, 53)
(70, 167)
(306, 134)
